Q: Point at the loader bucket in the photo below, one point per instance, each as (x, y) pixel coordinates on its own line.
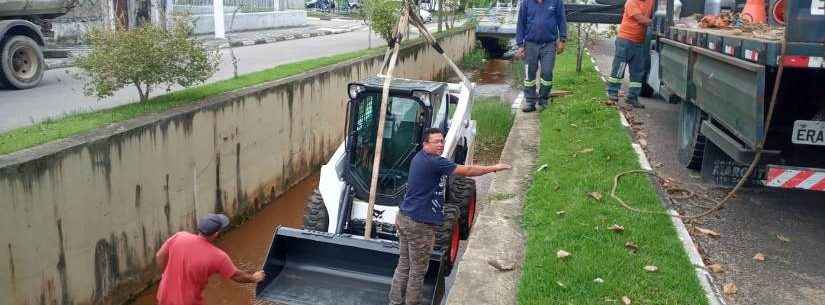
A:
(308, 267)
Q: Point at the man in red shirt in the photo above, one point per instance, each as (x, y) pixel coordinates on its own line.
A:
(630, 51)
(188, 260)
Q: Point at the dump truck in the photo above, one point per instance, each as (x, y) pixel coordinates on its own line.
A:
(724, 80)
(329, 261)
(22, 42)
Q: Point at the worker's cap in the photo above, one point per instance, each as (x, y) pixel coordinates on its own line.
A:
(212, 223)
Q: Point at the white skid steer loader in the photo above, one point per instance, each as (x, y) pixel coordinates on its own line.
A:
(347, 251)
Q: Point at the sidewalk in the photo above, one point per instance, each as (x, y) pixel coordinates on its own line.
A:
(315, 27)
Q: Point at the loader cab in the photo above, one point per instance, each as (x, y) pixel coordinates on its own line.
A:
(413, 106)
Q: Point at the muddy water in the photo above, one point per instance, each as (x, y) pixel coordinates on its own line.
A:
(247, 245)
(495, 71)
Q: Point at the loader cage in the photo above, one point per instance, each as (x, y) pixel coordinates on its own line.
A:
(406, 119)
(306, 267)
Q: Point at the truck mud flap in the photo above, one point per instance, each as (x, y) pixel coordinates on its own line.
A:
(308, 267)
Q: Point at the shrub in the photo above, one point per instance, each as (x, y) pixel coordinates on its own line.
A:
(145, 58)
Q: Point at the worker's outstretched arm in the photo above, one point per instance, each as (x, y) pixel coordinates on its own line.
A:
(478, 170)
(241, 276)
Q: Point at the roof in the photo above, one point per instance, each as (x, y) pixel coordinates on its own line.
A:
(402, 85)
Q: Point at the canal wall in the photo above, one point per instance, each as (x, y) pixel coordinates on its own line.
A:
(82, 217)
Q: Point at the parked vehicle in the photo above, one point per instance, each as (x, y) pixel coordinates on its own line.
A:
(425, 15)
(328, 262)
(323, 5)
(724, 81)
(22, 63)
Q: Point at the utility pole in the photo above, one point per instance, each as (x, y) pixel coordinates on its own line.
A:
(579, 49)
(217, 14)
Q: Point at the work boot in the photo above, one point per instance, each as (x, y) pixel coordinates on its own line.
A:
(635, 104)
(544, 104)
(528, 108)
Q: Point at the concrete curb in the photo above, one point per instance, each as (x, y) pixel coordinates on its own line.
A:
(712, 293)
(497, 236)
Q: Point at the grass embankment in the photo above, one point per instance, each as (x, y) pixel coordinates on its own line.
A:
(584, 146)
(54, 129)
(493, 122)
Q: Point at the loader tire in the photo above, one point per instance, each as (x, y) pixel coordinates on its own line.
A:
(316, 217)
(447, 237)
(463, 193)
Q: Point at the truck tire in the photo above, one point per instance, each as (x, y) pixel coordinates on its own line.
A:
(21, 62)
(316, 217)
(690, 142)
(447, 237)
(463, 193)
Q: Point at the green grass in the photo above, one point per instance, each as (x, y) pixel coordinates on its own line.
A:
(573, 124)
(493, 119)
(54, 129)
(475, 59)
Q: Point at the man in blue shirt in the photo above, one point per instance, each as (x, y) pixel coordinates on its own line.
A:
(422, 214)
(540, 35)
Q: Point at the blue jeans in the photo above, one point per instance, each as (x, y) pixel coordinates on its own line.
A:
(538, 55)
(631, 55)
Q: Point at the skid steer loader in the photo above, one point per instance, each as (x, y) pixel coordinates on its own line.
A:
(329, 261)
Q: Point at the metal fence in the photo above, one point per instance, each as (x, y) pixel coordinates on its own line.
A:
(200, 7)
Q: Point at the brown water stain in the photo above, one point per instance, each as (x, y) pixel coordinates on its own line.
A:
(247, 245)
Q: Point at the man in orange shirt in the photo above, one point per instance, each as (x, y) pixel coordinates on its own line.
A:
(188, 260)
(630, 51)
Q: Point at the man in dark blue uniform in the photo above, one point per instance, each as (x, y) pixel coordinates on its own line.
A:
(540, 35)
(422, 213)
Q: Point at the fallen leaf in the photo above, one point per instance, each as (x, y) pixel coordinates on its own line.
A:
(626, 300)
(631, 246)
(562, 254)
(643, 143)
(616, 228)
(783, 238)
(598, 280)
(561, 284)
(759, 257)
(651, 268)
(729, 288)
(542, 167)
(715, 268)
(708, 232)
(658, 164)
(586, 151)
(501, 264)
(560, 213)
(596, 195)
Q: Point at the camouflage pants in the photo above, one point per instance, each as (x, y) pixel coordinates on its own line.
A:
(415, 242)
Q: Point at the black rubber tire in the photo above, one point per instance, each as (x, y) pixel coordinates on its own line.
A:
(462, 189)
(316, 217)
(8, 76)
(690, 142)
(444, 234)
(647, 90)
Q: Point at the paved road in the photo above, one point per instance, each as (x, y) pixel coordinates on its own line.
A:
(793, 272)
(61, 92)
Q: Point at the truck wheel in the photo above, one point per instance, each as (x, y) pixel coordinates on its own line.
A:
(316, 217)
(22, 62)
(463, 193)
(647, 90)
(447, 238)
(691, 143)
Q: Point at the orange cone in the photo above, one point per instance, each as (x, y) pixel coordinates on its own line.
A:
(754, 11)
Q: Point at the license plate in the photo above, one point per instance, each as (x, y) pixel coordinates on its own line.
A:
(808, 132)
